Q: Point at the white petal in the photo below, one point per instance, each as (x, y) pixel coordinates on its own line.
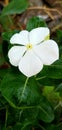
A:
(20, 38)
(30, 64)
(38, 34)
(47, 51)
(15, 54)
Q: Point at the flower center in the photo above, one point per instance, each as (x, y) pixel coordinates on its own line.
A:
(29, 46)
(47, 37)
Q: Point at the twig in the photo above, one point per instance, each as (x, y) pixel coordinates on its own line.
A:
(6, 2)
(58, 2)
(56, 27)
(49, 14)
(45, 8)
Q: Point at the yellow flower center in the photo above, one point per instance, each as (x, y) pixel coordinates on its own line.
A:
(47, 37)
(29, 46)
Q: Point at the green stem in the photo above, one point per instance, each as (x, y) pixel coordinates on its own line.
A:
(25, 107)
(26, 82)
(56, 106)
(41, 78)
(10, 20)
(59, 124)
(25, 85)
(24, 88)
(42, 127)
(6, 117)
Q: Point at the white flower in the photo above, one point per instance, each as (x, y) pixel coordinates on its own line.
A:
(31, 50)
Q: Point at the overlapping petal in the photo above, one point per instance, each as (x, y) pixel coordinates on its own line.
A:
(20, 38)
(47, 51)
(37, 35)
(15, 54)
(30, 64)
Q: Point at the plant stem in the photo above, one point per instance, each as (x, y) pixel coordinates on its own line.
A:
(42, 127)
(56, 106)
(25, 107)
(6, 117)
(26, 82)
(10, 20)
(41, 78)
(24, 88)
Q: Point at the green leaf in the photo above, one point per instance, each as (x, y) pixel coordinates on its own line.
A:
(15, 7)
(28, 98)
(59, 36)
(59, 126)
(2, 60)
(42, 111)
(35, 22)
(15, 92)
(5, 46)
(24, 118)
(46, 113)
(10, 84)
(54, 127)
(53, 71)
(52, 96)
(51, 127)
(59, 89)
(3, 72)
(6, 22)
(8, 34)
(24, 126)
